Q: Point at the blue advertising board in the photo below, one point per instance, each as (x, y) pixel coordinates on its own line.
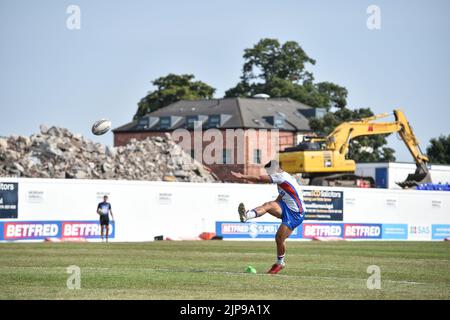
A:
(249, 230)
(395, 231)
(9, 200)
(440, 231)
(369, 231)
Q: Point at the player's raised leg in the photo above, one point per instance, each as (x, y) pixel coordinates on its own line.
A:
(271, 207)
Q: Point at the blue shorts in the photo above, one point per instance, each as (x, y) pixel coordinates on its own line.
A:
(289, 217)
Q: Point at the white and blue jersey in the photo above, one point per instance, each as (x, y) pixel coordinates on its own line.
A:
(104, 208)
(293, 209)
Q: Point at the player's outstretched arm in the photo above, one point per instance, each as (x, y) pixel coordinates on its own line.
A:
(261, 179)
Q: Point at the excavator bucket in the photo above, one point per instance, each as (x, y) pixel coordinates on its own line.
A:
(415, 179)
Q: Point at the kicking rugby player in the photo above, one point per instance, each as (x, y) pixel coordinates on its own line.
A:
(288, 207)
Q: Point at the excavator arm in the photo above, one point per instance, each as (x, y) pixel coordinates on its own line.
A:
(422, 174)
(339, 140)
(410, 139)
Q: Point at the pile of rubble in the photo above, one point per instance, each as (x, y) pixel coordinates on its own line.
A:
(57, 153)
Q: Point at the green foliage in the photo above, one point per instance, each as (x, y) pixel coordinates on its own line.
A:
(279, 70)
(268, 59)
(172, 88)
(361, 149)
(439, 150)
(336, 96)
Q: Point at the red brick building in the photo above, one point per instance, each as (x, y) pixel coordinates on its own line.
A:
(242, 133)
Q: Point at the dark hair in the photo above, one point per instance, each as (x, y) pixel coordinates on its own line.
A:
(272, 164)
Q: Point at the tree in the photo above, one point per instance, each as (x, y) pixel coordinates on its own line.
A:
(439, 150)
(173, 88)
(336, 96)
(361, 149)
(268, 59)
(279, 70)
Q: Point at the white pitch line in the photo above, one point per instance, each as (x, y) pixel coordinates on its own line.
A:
(280, 275)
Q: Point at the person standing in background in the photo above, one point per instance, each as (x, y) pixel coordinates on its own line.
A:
(104, 209)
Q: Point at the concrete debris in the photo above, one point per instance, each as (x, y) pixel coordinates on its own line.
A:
(57, 153)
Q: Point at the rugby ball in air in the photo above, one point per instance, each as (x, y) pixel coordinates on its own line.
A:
(101, 127)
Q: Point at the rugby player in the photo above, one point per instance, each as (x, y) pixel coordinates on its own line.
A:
(288, 207)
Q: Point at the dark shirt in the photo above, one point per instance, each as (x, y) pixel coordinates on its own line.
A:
(105, 208)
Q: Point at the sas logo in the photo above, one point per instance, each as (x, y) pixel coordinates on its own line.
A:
(322, 230)
(362, 231)
(419, 232)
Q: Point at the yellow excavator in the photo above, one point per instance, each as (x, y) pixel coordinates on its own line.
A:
(323, 159)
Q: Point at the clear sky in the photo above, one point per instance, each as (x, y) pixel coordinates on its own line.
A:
(70, 78)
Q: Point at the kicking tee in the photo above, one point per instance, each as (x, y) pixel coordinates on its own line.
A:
(289, 190)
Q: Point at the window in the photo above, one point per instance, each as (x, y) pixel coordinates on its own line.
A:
(279, 119)
(190, 121)
(164, 123)
(143, 123)
(226, 156)
(278, 122)
(320, 113)
(214, 121)
(257, 156)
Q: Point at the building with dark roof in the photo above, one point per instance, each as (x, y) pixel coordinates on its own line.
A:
(261, 119)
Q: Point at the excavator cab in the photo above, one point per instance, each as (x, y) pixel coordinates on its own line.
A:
(305, 146)
(309, 143)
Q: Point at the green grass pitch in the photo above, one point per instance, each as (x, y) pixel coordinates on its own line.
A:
(216, 270)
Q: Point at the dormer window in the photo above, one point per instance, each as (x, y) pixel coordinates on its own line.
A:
(195, 120)
(214, 121)
(143, 123)
(278, 122)
(279, 119)
(147, 122)
(190, 121)
(165, 123)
